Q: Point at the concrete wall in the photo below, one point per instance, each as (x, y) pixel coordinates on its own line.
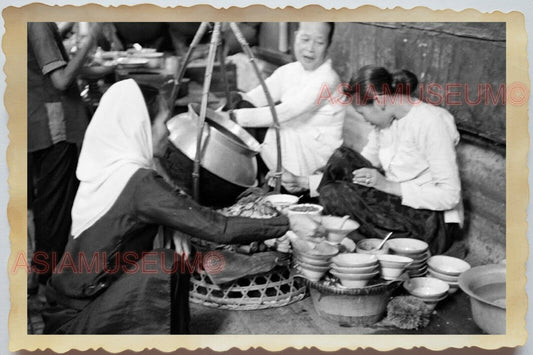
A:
(467, 54)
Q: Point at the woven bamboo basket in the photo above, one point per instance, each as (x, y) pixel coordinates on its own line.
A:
(275, 288)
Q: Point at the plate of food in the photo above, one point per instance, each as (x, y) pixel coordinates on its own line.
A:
(132, 62)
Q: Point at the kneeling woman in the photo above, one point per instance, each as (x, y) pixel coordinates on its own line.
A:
(110, 280)
(406, 179)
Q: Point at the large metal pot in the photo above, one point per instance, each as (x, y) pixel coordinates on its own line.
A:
(486, 287)
(228, 159)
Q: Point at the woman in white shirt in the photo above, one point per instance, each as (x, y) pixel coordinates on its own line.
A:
(310, 119)
(406, 179)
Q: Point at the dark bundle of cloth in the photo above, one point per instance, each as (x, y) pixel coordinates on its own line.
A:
(377, 212)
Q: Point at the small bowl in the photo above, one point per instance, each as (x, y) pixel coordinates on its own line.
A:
(313, 267)
(311, 275)
(305, 208)
(342, 276)
(368, 246)
(426, 287)
(354, 260)
(311, 261)
(281, 201)
(408, 246)
(391, 273)
(354, 283)
(354, 270)
(333, 224)
(394, 261)
(448, 265)
(441, 276)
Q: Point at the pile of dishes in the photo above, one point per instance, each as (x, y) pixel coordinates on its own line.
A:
(415, 249)
(354, 270)
(312, 260)
(447, 269)
(393, 266)
(428, 289)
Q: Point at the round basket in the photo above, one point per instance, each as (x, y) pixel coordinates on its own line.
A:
(358, 307)
(271, 289)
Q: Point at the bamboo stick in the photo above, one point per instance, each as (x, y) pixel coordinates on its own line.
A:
(248, 51)
(203, 109)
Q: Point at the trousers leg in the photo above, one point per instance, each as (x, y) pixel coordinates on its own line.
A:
(55, 186)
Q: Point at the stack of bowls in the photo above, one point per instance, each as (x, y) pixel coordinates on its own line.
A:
(354, 270)
(393, 266)
(428, 289)
(447, 269)
(415, 249)
(338, 228)
(313, 262)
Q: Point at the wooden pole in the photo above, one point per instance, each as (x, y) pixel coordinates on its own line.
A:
(248, 51)
(203, 109)
(183, 65)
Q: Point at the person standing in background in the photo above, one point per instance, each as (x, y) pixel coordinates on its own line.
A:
(57, 121)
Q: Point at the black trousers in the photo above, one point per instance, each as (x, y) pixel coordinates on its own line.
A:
(52, 186)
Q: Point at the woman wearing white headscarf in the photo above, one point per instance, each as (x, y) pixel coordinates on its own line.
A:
(110, 280)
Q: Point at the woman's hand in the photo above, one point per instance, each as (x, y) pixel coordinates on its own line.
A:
(182, 244)
(372, 178)
(290, 182)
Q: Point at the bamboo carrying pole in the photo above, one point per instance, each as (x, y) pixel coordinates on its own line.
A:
(181, 71)
(203, 109)
(205, 93)
(248, 51)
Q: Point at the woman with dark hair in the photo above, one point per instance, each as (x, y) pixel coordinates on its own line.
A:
(110, 279)
(406, 179)
(311, 121)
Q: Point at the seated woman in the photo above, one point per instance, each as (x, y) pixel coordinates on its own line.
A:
(310, 126)
(406, 179)
(108, 280)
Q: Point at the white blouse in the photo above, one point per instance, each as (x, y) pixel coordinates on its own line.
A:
(418, 151)
(311, 119)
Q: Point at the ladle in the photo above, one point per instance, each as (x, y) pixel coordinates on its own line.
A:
(383, 242)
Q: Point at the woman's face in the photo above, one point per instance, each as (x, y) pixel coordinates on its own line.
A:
(160, 130)
(376, 114)
(311, 44)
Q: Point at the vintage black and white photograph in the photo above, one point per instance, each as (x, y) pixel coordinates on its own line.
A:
(266, 177)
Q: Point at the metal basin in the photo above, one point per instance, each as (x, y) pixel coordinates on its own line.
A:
(228, 162)
(486, 287)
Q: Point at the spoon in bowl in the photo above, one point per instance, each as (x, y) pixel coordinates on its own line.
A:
(344, 219)
(383, 242)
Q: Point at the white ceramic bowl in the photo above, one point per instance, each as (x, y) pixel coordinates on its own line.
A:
(354, 270)
(312, 261)
(311, 275)
(448, 265)
(313, 267)
(369, 245)
(441, 276)
(394, 261)
(354, 260)
(281, 201)
(426, 287)
(407, 246)
(305, 208)
(366, 276)
(338, 228)
(354, 283)
(391, 273)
